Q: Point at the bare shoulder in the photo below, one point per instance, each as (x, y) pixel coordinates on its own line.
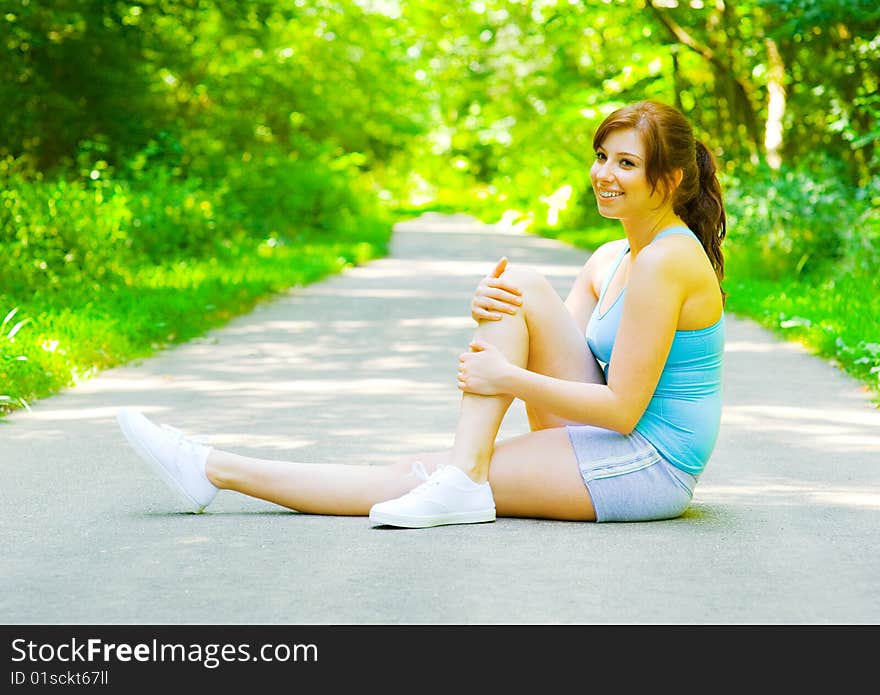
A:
(677, 266)
(677, 256)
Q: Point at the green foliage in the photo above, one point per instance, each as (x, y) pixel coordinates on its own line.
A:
(60, 231)
(322, 195)
(863, 237)
(10, 361)
(509, 92)
(167, 217)
(217, 78)
(800, 16)
(93, 230)
(73, 71)
(792, 221)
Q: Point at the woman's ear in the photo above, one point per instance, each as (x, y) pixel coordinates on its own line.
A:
(672, 181)
(675, 179)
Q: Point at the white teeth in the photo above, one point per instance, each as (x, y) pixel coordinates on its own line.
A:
(609, 194)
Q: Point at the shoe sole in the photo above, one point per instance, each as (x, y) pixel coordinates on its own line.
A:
(385, 519)
(193, 507)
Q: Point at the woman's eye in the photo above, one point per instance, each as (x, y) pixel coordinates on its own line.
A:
(627, 163)
(600, 156)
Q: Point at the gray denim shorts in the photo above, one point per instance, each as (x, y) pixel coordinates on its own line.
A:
(627, 478)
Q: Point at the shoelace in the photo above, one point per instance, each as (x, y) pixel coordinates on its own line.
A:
(419, 471)
(428, 481)
(181, 441)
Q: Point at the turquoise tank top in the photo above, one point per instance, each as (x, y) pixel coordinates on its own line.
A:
(683, 418)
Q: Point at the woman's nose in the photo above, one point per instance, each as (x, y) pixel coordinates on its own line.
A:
(602, 171)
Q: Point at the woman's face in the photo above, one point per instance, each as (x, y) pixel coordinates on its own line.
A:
(619, 177)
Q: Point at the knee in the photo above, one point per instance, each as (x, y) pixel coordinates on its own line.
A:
(527, 280)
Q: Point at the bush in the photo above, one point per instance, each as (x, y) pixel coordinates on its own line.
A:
(54, 232)
(62, 232)
(274, 196)
(10, 361)
(863, 236)
(789, 222)
(169, 217)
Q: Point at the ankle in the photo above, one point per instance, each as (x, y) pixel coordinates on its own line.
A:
(478, 475)
(477, 469)
(214, 470)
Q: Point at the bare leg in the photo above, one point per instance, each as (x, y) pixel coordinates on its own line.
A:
(532, 475)
(313, 488)
(542, 337)
(542, 481)
(536, 475)
(480, 416)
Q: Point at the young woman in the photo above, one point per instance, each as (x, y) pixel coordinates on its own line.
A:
(621, 381)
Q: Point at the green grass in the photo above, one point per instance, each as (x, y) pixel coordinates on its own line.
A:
(62, 337)
(837, 318)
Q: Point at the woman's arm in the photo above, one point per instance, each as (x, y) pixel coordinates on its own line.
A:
(654, 296)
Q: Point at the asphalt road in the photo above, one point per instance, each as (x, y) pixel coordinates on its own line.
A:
(361, 368)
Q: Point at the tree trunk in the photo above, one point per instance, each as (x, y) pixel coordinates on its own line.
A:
(773, 128)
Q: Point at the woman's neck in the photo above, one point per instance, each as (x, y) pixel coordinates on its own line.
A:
(641, 232)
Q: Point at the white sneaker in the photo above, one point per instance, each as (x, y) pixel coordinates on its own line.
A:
(448, 496)
(178, 460)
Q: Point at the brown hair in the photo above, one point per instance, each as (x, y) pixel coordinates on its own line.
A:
(669, 145)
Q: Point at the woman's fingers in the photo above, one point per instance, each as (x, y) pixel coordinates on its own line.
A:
(505, 307)
(498, 299)
(500, 266)
(499, 284)
(495, 305)
(495, 298)
(485, 315)
(503, 295)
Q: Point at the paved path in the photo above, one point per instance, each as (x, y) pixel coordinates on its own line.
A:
(784, 527)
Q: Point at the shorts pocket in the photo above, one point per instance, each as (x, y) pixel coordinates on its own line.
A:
(610, 468)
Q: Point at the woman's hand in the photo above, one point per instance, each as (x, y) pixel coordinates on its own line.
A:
(494, 297)
(483, 369)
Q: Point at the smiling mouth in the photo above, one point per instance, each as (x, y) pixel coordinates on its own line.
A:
(607, 195)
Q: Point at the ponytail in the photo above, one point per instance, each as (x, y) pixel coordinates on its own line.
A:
(704, 212)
